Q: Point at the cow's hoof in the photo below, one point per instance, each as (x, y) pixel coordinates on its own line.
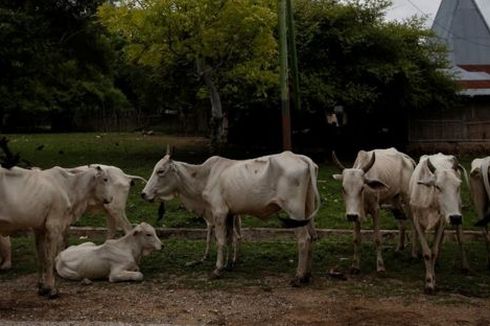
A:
(429, 290)
(5, 266)
(300, 280)
(48, 293)
(193, 263)
(86, 281)
(381, 270)
(354, 270)
(215, 275)
(229, 267)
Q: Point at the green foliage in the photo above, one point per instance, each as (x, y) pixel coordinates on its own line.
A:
(349, 55)
(56, 59)
(233, 40)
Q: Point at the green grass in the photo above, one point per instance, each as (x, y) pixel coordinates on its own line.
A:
(261, 261)
(137, 154)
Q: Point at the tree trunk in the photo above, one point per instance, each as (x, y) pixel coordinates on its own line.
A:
(218, 134)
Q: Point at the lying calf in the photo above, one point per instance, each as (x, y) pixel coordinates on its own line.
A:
(115, 259)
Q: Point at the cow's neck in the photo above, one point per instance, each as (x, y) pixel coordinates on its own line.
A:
(193, 180)
(128, 242)
(78, 187)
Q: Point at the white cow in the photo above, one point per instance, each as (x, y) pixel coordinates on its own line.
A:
(120, 183)
(116, 260)
(434, 203)
(378, 177)
(220, 188)
(480, 192)
(48, 202)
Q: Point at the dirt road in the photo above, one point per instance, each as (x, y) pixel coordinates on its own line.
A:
(273, 303)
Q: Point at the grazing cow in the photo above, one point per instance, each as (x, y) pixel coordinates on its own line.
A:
(480, 192)
(220, 188)
(115, 259)
(120, 183)
(434, 203)
(378, 177)
(47, 202)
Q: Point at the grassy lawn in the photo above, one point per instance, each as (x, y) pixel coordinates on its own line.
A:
(137, 154)
(261, 260)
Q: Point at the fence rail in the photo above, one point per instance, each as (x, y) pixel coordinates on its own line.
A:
(449, 131)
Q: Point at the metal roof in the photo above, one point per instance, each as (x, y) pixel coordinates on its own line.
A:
(464, 25)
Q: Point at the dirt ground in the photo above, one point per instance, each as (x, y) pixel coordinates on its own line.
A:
(274, 304)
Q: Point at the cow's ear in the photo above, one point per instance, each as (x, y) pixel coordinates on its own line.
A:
(476, 172)
(429, 182)
(337, 176)
(376, 184)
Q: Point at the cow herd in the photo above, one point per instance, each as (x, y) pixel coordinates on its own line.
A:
(424, 195)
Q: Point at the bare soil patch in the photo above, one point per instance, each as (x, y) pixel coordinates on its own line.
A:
(275, 303)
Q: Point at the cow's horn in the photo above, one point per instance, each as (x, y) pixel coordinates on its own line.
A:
(455, 164)
(431, 166)
(337, 162)
(168, 150)
(370, 164)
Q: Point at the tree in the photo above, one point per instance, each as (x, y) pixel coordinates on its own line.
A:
(349, 55)
(55, 61)
(229, 46)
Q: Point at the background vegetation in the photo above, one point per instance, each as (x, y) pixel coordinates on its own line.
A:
(65, 62)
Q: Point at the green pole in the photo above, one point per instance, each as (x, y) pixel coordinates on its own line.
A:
(283, 76)
(294, 55)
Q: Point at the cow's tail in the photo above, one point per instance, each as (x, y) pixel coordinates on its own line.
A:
(291, 223)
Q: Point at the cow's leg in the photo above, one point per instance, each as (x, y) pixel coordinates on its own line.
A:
(427, 253)
(415, 242)
(205, 256)
(116, 217)
(380, 266)
(487, 243)
(5, 253)
(401, 234)
(220, 233)
(314, 236)
(54, 238)
(304, 243)
(209, 233)
(464, 261)
(436, 250)
(125, 273)
(237, 237)
(40, 240)
(355, 268)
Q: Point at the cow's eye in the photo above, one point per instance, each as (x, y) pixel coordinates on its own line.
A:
(105, 179)
(437, 187)
(148, 234)
(160, 172)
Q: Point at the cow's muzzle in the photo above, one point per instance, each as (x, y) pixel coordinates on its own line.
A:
(146, 197)
(352, 217)
(455, 219)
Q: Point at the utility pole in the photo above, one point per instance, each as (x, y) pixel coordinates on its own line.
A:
(283, 76)
(287, 42)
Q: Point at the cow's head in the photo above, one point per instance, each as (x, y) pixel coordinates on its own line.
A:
(446, 183)
(163, 182)
(147, 238)
(104, 189)
(354, 183)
